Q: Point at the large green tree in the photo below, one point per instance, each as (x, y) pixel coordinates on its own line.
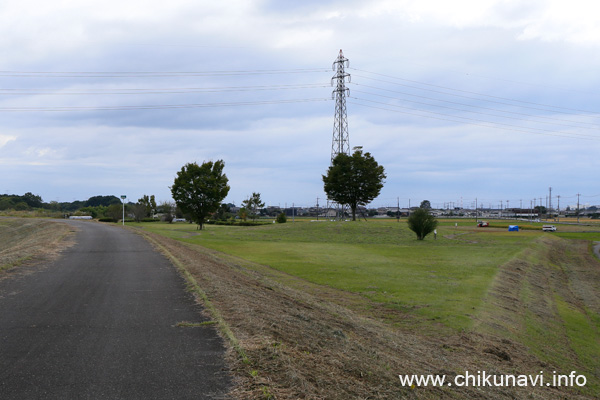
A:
(198, 190)
(354, 180)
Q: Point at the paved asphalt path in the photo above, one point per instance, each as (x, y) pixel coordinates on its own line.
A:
(99, 323)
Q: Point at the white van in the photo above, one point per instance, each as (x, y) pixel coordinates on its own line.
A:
(549, 228)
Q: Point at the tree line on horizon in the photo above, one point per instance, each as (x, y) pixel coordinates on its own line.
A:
(30, 201)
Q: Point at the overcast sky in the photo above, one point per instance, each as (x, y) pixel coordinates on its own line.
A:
(494, 100)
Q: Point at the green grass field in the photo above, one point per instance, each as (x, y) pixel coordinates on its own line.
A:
(534, 288)
(441, 280)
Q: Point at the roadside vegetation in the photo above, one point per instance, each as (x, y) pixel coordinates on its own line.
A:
(25, 240)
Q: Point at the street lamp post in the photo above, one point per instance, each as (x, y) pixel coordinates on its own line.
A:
(123, 197)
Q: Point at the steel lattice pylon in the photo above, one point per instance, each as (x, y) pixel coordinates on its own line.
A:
(340, 142)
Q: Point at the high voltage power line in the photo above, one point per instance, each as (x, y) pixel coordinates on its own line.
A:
(466, 91)
(137, 91)
(548, 109)
(153, 74)
(172, 90)
(457, 112)
(473, 106)
(473, 114)
(500, 124)
(469, 111)
(507, 127)
(157, 106)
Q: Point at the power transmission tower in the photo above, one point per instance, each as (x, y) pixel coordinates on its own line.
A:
(340, 142)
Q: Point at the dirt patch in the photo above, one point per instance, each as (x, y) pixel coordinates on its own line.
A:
(304, 343)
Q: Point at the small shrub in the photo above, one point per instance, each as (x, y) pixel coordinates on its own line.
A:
(421, 223)
(281, 218)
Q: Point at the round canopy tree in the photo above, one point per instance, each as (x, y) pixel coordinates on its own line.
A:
(354, 180)
(199, 190)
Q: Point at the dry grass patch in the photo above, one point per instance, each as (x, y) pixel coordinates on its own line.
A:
(24, 240)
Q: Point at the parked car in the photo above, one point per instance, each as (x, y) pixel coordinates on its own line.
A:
(482, 224)
(549, 228)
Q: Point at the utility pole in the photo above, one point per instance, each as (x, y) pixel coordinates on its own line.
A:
(550, 200)
(123, 197)
(398, 210)
(507, 207)
(530, 210)
(578, 207)
(476, 213)
(558, 212)
(317, 208)
(340, 142)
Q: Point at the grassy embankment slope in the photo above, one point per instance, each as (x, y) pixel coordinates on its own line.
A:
(22, 240)
(474, 299)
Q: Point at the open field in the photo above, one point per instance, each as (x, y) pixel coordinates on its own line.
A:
(439, 280)
(337, 310)
(474, 299)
